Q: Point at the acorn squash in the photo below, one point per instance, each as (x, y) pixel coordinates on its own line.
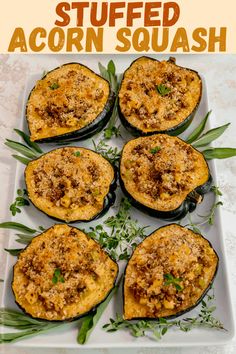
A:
(71, 184)
(163, 176)
(62, 274)
(168, 274)
(158, 97)
(69, 103)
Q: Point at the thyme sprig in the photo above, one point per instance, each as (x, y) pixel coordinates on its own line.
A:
(157, 329)
(123, 233)
(112, 154)
(20, 200)
(209, 218)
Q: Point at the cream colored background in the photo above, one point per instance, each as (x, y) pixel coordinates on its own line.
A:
(195, 13)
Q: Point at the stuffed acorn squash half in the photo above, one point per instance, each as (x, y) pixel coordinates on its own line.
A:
(163, 176)
(62, 274)
(158, 97)
(71, 184)
(69, 103)
(168, 274)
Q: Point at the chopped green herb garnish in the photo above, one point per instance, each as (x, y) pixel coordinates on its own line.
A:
(163, 90)
(54, 86)
(155, 150)
(169, 279)
(77, 153)
(57, 277)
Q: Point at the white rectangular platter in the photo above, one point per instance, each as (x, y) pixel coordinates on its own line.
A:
(65, 336)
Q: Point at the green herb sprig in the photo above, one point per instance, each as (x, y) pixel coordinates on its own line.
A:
(112, 154)
(29, 151)
(19, 201)
(158, 328)
(26, 234)
(13, 251)
(163, 90)
(123, 235)
(26, 325)
(208, 218)
(89, 322)
(199, 140)
(109, 73)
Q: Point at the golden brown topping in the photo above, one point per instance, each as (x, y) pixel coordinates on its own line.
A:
(62, 274)
(168, 272)
(66, 99)
(155, 96)
(160, 171)
(69, 181)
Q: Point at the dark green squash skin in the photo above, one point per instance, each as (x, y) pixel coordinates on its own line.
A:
(86, 132)
(175, 130)
(181, 312)
(188, 205)
(109, 199)
(73, 318)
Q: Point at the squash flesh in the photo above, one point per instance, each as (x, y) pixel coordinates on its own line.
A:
(69, 187)
(160, 171)
(145, 108)
(170, 250)
(88, 274)
(65, 100)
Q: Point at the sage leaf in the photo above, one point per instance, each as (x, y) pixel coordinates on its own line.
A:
(111, 67)
(28, 326)
(22, 159)
(30, 143)
(103, 71)
(13, 252)
(198, 131)
(90, 321)
(210, 136)
(219, 153)
(24, 239)
(16, 226)
(21, 148)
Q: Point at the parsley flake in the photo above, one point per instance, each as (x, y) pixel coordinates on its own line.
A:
(155, 150)
(169, 279)
(54, 86)
(162, 89)
(77, 153)
(57, 277)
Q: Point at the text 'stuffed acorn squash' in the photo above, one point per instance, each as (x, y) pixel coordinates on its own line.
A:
(163, 176)
(158, 97)
(62, 274)
(69, 103)
(168, 274)
(71, 184)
